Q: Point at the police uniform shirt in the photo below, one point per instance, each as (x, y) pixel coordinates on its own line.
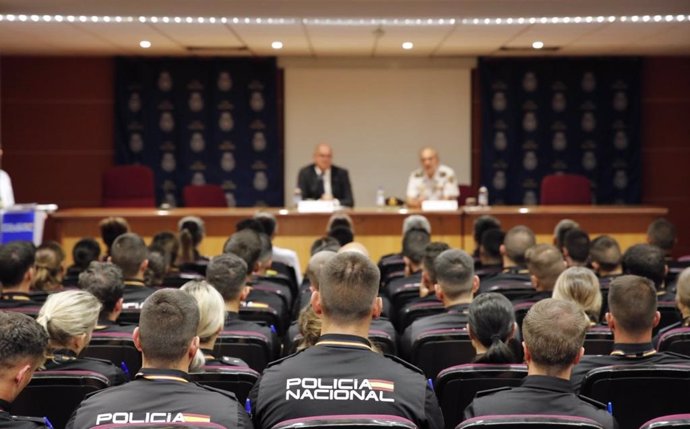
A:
(160, 396)
(442, 185)
(625, 354)
(682, 324)
(8, 421)
(538, 394)
(67, 360)
(135, 293)
(105, 325)
(455, 317)
(342, 375)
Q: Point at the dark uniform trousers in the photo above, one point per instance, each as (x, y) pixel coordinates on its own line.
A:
(67, 360)
(539, 394)
(160, 396)
(342, 375)
(8, 421)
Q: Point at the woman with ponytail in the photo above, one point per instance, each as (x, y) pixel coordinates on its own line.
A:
(492, 329)
(49, 270)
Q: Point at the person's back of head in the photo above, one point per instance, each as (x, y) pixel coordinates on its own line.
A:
(247, 245)
(340, 220)
(490, 247)
(581, 286)
(266, 254)
(605, 254)
(191, 232)
(167, 244)
(483, 224)
(228, 274)
(129, 252)
(416, 222)
(111, 228)
(69, 314)
(455, 275)
(662, 233)
(49, 269)
(268, 222)
(491, 322)
(250, 223)
(167, 328)
(324, 244)
(545, 263)
(576, 245)
(647, 261)
(414, 244)
(315, 267)
(683, 292)
(23, 344)
(16, 263)
(553, 332)
(561, 229)
(211, 308)
(431, 252)
(516, 242)
(632, 306)
(156, 269)
(85, 251)
(104, 281)
(342, 234)
(349, 288)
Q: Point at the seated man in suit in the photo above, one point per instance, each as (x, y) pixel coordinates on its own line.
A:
(324, 181)
(554, 332)
(632, 315)
(104, 281)
(433, 181)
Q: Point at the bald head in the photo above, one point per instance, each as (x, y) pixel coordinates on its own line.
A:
(429, 159)
(323, 156)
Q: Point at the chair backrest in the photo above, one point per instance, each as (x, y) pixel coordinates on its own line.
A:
(565, 189)
(543, 421)
(264, 315)
(204, 196)
(383, 340)
(437, 349)
(520, 309)
(669, 315)
(598, 341)
(403, 294)
(117, 347)
(129, 316)
(205, 425)
(466, 191)
(358, 421)
(676, 340)
(252, 347)
(416, 311)
(56, 394)
(128, 186)
(513, 289)
(456, 386)
(672, 421)
(236, 379)
(639, 393)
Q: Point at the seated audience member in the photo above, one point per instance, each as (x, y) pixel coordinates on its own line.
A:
(167, 244)
(515, 244)
(561, 229)
(16, 273)
(338, 220)
(346, 302)
(111, 228)
(156, 269)
(427, 288)
(632, 316)
(456, 284)
(23, 345)
(414, 243)
(69, 318)
(492, 329)
(167, 339)
(409, 223)
(662, 234)
(49, 268)
(129, 252)
(191, 233)
(324, 244)
(576, 248)
(648, 261)
(280, 254)
(342, 234)
(104, 281)
(490, 260)
(481, 225)
(228, 274)
(605, 257)
(682, 302)
(545, 263)
(554, 332)
(84, 252)
(581, 286)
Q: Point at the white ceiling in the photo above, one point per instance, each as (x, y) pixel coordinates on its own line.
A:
(303, 37)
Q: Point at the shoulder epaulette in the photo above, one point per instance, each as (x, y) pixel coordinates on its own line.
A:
(404, 363)
(488, 392)
(276, 362)
(225, 393)
(592, 401)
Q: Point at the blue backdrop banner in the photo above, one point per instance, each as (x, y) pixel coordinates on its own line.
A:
(570, 115)
(201, 121)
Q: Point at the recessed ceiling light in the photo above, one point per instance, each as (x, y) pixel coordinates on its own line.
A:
(408, 45)
(537, 44)
(145, 44)
(277, 45)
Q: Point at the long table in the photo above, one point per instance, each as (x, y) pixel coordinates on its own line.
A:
(378, 229)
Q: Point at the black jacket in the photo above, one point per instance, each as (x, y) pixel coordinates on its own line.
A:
(67, 360)
(308, 183)
(8, 421)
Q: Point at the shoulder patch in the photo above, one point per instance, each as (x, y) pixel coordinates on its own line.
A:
(225, 393)
(592, 401)
(488, 392)
(278, 361)
(417, 173)
(404, 363)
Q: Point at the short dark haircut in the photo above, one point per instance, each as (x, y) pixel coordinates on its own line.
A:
(454, 272)
(516, 241)
(104, 281)
(168, 323)
(554, 332)
(605, 251)
(111, 228)
(128, 252)
(647, 261)
(252, 224)
(339, 222)
(227, 273)
(431, 252)
(576, 242)
(561, 229)
(16, 258)
(21, 337)
(85, 251)
(491, 243)
(491, 318)
(342, 234)
(545, 262)
(414, 244)
(191, 230)
(632, 302)
(247, 245)
(268, 222)
(662, 233)
(482, 224)
(324, 243)
(349, 285)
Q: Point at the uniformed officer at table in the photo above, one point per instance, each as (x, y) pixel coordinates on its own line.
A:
(433, 181)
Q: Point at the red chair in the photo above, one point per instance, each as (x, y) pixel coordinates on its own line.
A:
(466, 191)
(204, 196)
(128, 186)
(565, 189)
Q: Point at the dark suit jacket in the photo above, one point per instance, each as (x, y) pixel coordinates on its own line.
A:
(308, 182)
